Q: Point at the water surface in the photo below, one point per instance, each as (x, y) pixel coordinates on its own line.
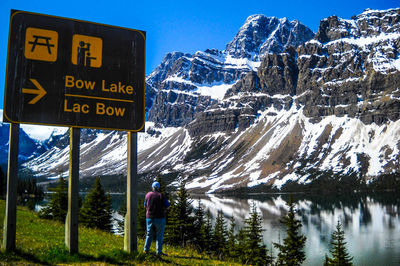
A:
(371, 222)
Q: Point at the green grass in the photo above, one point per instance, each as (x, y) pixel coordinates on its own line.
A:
(40, 241)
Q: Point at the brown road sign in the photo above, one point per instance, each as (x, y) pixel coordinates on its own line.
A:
(68, 72)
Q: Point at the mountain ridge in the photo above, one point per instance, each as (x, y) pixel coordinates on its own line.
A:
(187, 78)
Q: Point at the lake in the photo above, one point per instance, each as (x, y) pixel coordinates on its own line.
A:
(371, 222)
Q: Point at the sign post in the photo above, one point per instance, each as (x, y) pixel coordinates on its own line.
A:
(10, 220)
(130, 237)
(71, 222)
(66, 72)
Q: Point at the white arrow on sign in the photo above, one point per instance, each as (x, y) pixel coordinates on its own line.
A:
(39, 91)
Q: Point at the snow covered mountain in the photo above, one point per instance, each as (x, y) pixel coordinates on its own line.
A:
(185, 85)
(280, 104)
(34, 140)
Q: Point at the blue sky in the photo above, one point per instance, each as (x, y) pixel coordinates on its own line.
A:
(183, 25)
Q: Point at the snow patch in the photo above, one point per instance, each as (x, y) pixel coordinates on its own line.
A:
(280, 182)
(215, 90)
(42, 133)
(255, 181)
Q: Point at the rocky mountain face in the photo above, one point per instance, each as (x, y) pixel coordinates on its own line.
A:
(352, 68)
(279, 105)
(261, 35)
(188, 85)
(28, 147)
(349, 68)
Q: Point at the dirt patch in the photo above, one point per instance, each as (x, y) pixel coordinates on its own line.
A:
(285, 153)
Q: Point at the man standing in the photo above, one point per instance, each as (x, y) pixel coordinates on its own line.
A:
(155, 204)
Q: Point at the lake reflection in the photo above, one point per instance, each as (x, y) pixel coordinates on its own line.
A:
(371, 223)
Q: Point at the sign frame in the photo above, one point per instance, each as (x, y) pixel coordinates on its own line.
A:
(33, 90)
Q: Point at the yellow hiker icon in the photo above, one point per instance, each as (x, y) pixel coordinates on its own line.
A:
(87, 50)
(41, 44)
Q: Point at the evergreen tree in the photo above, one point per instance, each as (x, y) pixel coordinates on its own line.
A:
(219, 235)
(254, 250)
(141, 218)
(28, 192)
(27, 187)
(179, 228)
(340, 256)
(231, 248)
(58, 206)
(208, 232)
(122, 211)
(199, 227)
(241, 242)
(291, 252)
(96, 211)
(163, 188)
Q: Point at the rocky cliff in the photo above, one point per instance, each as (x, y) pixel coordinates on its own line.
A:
(28, 147)
(188, 85)
(350, 68)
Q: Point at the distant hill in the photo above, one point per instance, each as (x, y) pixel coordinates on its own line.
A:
(38, 140)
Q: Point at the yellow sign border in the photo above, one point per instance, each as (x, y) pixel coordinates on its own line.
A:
(15, 12)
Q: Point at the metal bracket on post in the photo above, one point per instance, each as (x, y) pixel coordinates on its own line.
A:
(10, 218)
(130, 237)
(71, 222)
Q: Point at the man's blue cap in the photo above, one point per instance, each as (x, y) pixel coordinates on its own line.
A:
(156, 185)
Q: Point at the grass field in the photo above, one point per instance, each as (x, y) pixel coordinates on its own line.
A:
(42, 242)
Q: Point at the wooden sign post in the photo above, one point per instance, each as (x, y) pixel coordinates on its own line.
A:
(10, 219)
(71, 222)
(130, 237)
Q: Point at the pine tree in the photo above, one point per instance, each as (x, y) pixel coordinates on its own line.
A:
(208, 232)
(58, 206)
(28, 193)
(163, 188)
(340, 256)
(27, 188)
(122, 211)
(241, 242)
(231, 248)
(291, 252)
(199, 227)
(96, 211)
(219, 235)
(141, 218)
(254, 250)
(179, 229)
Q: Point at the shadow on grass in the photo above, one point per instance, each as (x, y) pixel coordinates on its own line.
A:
(118, 256)
(60, 254)
(154, 258)
(17, 255)
(171, 259)
(188, 257)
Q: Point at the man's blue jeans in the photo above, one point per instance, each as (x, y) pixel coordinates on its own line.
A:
(155, 226)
